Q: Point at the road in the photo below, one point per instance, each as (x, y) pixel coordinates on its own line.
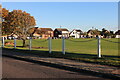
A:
(13, 68)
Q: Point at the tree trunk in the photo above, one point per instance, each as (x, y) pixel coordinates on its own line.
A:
(24, 42)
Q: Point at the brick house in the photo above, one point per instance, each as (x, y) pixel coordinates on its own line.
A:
(43, 33)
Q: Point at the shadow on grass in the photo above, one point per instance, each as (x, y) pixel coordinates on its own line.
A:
(88, 58)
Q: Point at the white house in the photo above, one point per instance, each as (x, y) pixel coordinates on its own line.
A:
(76, 33)
(61, 32)
(117, 36)
(117, 33)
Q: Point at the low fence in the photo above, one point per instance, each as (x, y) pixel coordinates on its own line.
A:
(49, 43)
(82, 46)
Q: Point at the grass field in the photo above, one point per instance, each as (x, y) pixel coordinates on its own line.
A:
(75, 50)
(90, 47)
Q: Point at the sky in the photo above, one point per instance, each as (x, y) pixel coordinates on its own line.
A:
(60, 0)
(70, 15)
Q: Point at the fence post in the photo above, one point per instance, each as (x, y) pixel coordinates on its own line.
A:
(63, 45)
(99, 47)
(14, 42)
(30, 43)
(3, 41)
(49, 44)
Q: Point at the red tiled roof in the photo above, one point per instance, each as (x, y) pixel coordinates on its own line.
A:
(45, 29)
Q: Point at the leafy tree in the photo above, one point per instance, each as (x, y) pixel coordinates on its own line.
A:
(0, 18)
(84, 33)
(5, 27)
(0, 14)
(19, 22)
(4, 13)
(0, 11)
(112, 34)
(105, 33)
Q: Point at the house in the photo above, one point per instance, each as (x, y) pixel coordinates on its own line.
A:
(117, 33)
(61, 32)
(46, 32)
(5, 37)
(43, 33)
(34, 32)
(76, 33)
(11, 36)
(90, 34)
(93, 33)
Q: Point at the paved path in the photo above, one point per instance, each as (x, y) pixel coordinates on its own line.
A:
(13, 68)
(69, 63)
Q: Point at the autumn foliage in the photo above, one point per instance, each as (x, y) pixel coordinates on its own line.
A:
(17, 22)
(0, 18)
(5, 27)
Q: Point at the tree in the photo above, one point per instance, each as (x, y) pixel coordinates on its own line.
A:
(5, 27)
(19, 22)
(0, 17)
(0, 14)
(4, 13)
(112, 34)
(105, 33)
(0, 8)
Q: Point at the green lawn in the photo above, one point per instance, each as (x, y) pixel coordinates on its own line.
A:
(80, 51)
(90, 47)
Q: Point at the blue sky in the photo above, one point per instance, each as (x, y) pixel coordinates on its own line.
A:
(71, 15)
